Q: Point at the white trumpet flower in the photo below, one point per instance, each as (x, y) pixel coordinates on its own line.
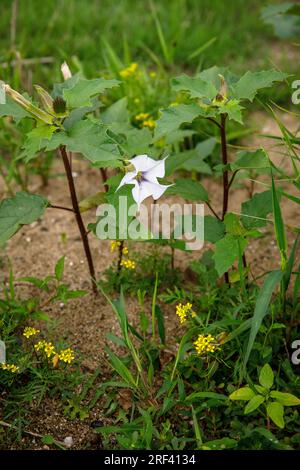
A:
(144, 178)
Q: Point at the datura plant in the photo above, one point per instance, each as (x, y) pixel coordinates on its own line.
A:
(73, 118)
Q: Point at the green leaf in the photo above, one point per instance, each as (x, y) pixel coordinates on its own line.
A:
(233, 109)
(205, 395)
(286, 399)
(80, 94)
(11, 108)
(275, 411)
(59, 268)
(250, 83)
(174, 116)
(261, 308)
(36, 140)
(195, 86)
(121, 369)
(244, 393)
(138, 142)
(255, 211)
(266, 377)
(214, 229)
(279, 226)
(91, 140)
(253, 404)
(160, 323)
(250, 160)
(227, 252)
(189, 189)
(92, 201)
(23, 209)
(220, 444)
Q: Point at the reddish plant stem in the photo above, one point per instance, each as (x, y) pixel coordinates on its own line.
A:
(225, 162)
(79, 220)
(104, 178)
(225, 174)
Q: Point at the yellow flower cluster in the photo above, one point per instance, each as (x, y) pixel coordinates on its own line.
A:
(128, 264)
(145, 120)
(30, 331)
(183, 311)
(125, 250)
(142, 116)
(114, 244)
(10, 368)
(205, 344)
(46, 347)
(149, 123)
(67, 355)
(129, 71)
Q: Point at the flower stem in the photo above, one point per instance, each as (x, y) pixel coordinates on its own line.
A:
(225, 174)
(121, 246)
(79, 220)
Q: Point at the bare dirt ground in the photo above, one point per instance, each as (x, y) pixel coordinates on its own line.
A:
(35, 249)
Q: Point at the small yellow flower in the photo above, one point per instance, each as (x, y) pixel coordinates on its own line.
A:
(149, 123)
(128, 264)
(67, 355)
(206, 344)
(113, 245)
(10, 368)
(142, 116)
(152, 74)
(45, 347)
(184, 310)
(30, 331)
(129, 71)
(40, 345)
(125, 250)
(49, 350)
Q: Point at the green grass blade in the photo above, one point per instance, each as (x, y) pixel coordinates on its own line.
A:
(261, 308)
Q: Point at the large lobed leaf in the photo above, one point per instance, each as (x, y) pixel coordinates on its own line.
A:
(91, 140)
(20, 210)
(80, 94)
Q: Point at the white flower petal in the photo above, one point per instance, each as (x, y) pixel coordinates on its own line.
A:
(157, 171)
(143, 163)
(128, 179)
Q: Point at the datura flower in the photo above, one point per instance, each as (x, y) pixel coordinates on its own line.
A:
(144, 176)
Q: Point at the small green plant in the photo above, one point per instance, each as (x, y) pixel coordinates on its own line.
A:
(258, 395)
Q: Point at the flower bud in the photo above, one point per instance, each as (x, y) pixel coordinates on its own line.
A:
(65, 70)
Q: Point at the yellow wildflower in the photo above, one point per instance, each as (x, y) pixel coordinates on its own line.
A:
(129, 71)
(125, 250)
(113, 245)
(30, 331)
(10, 368)
(183, 311)
(152, 74)
(47, 348)
(40, 345)
(149, 123)
(128, 264)
(142, 116)
(206, 344)
(67, 355)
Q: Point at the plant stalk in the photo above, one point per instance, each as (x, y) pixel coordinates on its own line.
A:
(225, 174)
(79, 220)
